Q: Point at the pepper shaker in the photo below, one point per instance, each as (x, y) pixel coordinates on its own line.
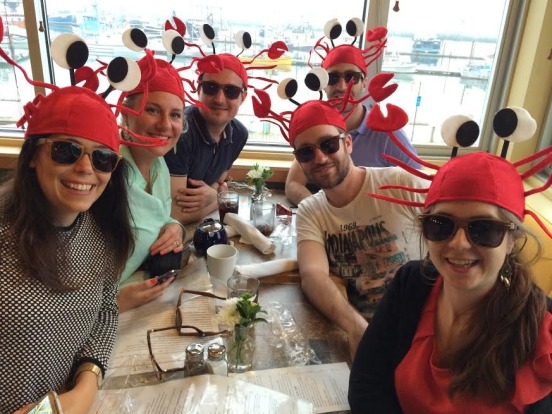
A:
(195, 362)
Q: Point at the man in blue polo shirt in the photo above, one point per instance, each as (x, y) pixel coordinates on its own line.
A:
(213, 141)
(343, 64)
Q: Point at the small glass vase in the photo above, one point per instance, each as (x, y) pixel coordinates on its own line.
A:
(259, 193)
(240, 349)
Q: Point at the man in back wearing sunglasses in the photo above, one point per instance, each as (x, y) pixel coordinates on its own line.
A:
(345, 64)
(214, 139)
(343, 231)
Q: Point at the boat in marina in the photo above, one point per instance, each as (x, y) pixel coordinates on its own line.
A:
(479, 71)
(426, 50)
(300, 38)
(393, 62)
(283, 62)
(62, 22)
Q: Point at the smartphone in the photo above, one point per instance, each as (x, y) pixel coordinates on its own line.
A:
(49, 404)
(165, 276)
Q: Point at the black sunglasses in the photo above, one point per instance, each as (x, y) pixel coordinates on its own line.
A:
(212, 88)
(482, 232)
(328, 146)
(68, 152)
(333, 77)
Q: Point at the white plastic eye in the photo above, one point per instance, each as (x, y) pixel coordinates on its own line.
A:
(459, 131)
(69, 51)
(332, 29)
(354, 27)
(135, 39)
(317, 79)
(123, 74)
(243, 40)
(287, 88)
(514, 124)
(173, 42)
(207, 34)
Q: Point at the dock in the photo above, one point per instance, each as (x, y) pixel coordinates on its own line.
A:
(427, 70)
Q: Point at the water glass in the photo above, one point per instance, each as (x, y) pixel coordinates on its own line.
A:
(264, 217)
(239, 284)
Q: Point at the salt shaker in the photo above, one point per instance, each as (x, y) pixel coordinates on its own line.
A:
(195, 362)
(216, 360)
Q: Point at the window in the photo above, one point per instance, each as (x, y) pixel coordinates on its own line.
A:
(450, 64)
(455, 63)
(15, 89)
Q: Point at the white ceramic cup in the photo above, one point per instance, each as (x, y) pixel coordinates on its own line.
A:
(221, 261)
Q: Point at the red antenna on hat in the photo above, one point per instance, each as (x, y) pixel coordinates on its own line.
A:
(316, 80)
(173, 37)
(215, 63)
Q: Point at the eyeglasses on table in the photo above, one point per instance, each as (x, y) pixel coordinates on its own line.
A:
(182, 330)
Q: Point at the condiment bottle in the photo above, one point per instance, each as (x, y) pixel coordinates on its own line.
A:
(195, 362)
(216, 360)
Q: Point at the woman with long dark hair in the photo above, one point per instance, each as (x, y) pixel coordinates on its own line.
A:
(65, 237)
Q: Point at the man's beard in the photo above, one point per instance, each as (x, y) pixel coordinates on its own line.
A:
(342, 166)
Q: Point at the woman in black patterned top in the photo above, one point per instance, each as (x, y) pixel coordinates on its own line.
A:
(64, 239)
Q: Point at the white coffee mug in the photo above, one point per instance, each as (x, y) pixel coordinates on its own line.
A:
(221, 261)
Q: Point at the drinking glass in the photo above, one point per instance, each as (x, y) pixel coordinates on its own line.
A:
(264, 216)
(228, 202)
(239, 284)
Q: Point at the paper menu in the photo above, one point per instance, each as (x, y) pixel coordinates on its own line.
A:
(325, 385)
(204, 394)
(130, 354)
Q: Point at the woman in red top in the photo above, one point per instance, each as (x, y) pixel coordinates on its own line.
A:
(465, 330)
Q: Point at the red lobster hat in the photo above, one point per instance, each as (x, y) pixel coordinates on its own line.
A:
(317, 79)
(73, 111)
(476, 176)
(479, 176)
(345, 54)
(231, 62)
(349, 53)
(166, 79)
(158, 74)
(314, 113)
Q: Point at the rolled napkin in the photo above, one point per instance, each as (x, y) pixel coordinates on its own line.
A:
(230, 231)
(272, 267)
(249, 234)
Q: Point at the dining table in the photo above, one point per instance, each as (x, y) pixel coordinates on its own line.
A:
(318, 339)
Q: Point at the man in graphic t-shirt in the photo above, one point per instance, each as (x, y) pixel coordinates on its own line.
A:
(342, 230)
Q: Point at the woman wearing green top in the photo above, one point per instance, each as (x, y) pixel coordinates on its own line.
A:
(157, 235)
